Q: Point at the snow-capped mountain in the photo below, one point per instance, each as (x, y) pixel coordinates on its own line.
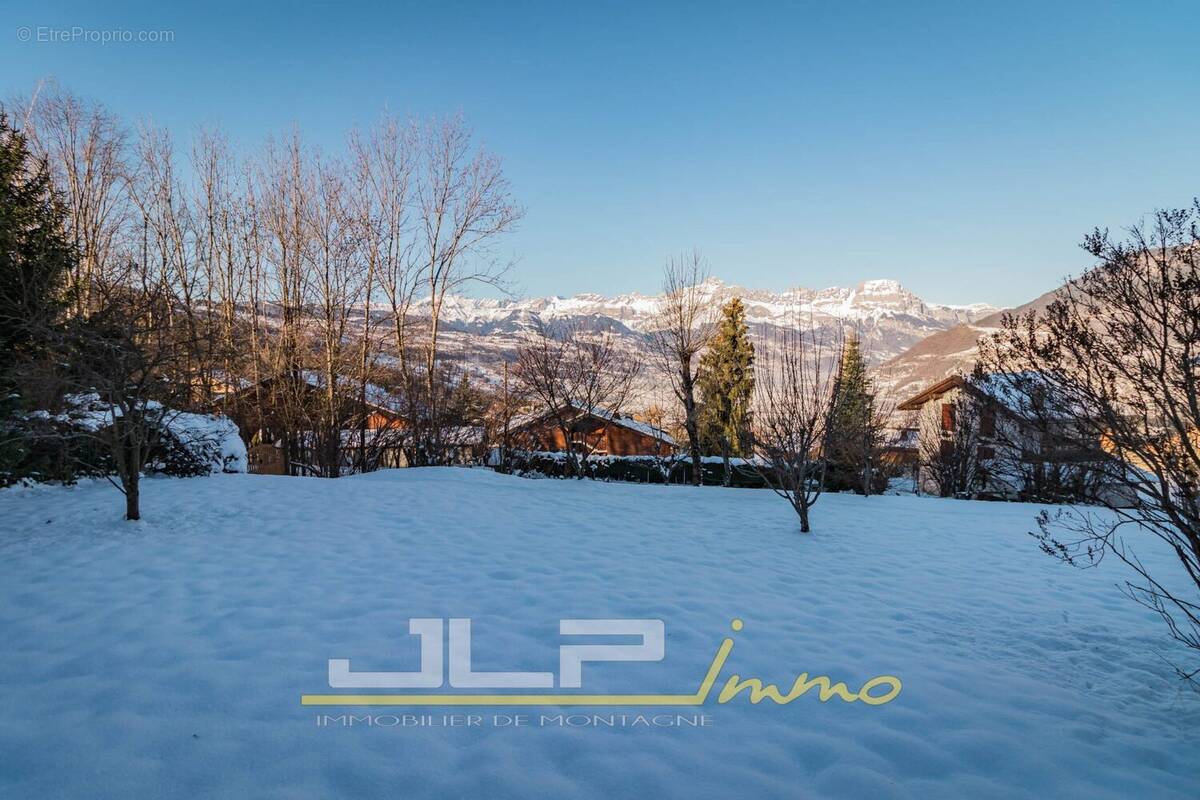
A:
(870, 304)
(888, 318)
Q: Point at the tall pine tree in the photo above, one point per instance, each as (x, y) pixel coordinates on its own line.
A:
(850, 446)
(35, 258)
(35, 255)
(726, 384)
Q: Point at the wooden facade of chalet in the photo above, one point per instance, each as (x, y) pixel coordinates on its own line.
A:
(1012, 457)
(937, 408)
(267, 412)
(596, 432)
(940, 400)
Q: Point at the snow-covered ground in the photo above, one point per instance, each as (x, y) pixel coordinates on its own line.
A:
(167, 658)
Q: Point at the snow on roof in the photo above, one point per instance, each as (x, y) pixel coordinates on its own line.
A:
(624, 420)
(931, 392)
(1018, 392)
(376, 395)
(1026, 393)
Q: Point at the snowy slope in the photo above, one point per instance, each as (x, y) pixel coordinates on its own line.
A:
(167, 658)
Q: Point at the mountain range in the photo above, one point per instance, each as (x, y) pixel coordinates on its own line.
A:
(888, 319)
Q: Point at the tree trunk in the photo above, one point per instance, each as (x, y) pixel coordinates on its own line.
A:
(132, 500)
(690, 422)
(434, 434)
(133, 473)
(802, 510)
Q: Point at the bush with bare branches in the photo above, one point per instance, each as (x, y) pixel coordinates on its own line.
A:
(1118, 353)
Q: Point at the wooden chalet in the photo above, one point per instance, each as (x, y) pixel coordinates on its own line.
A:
(597, 431)
(1011, 456)
(276, 407)
(937, 408)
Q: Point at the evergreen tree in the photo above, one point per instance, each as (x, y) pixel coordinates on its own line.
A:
(850, 446)
(35, 258)
(726, 384)
(35, 255)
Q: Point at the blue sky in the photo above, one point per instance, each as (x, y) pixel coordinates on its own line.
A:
(963, 150)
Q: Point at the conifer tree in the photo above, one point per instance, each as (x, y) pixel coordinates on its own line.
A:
(727, 387)
(850, 446)
(35, 256)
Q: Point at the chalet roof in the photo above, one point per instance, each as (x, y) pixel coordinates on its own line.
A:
(1015, 392)
(376, 396)
(933, 392)
(623, 420)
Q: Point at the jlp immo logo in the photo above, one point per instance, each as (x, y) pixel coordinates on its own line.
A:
(650, 646)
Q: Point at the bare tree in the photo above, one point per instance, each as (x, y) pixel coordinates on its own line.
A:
(795, 381)
(383, 163)
(1118, 352)
(679, 335)
(508, 400)
(285, 191)
(875, 438)
(464, 203)
(86, 146)
(172, 254)
(338, 281)
(571, 373)
(220, 231)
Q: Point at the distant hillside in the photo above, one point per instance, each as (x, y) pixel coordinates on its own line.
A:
(945, 352)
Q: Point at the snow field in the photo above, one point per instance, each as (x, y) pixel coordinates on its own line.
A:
(166, 658)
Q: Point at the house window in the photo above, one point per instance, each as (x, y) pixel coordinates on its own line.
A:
(987, 423)
(947, 416)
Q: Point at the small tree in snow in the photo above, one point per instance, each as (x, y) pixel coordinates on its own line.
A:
(795, 396)
(126, 354)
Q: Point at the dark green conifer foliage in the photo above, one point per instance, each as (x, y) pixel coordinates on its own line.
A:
(35, 256)
(850, 447)
(727, 387)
